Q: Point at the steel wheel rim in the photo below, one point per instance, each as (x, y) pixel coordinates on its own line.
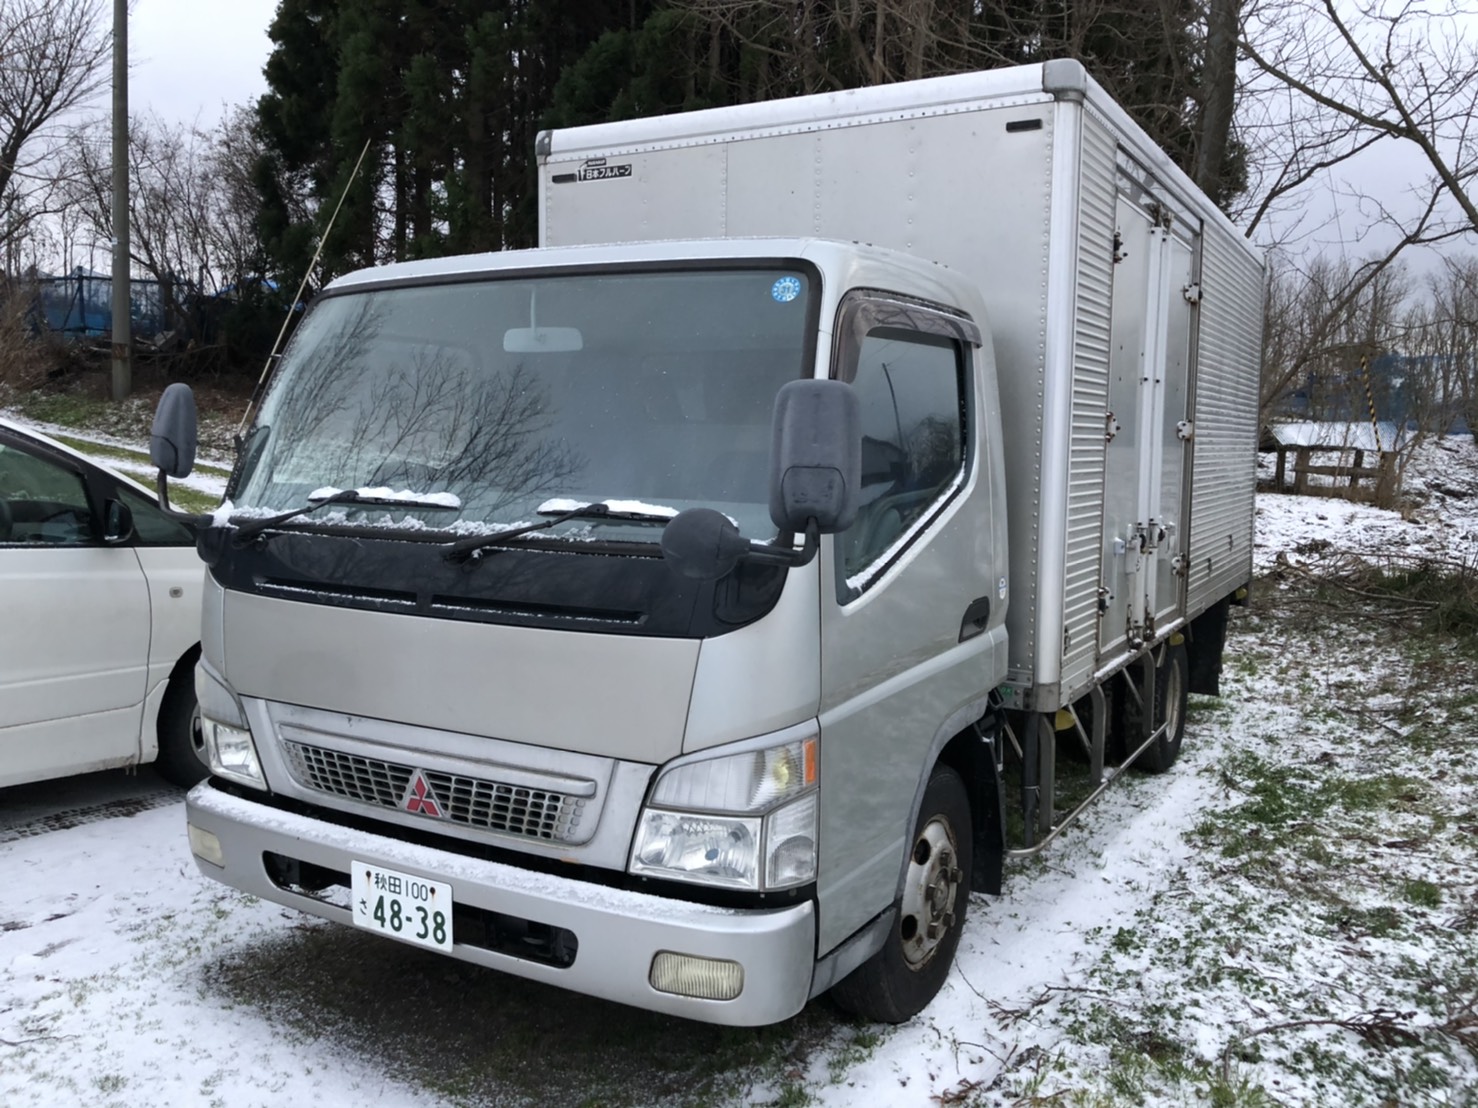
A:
(1173, 679)
(929, 893)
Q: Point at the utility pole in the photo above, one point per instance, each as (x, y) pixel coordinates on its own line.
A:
(122, 325)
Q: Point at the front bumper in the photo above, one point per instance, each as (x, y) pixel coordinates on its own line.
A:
(618, 931)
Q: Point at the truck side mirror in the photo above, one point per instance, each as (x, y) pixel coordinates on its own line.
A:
(815, 457)
(173, 438)
(703, 544)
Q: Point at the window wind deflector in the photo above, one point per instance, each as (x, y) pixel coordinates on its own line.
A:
(251, 528)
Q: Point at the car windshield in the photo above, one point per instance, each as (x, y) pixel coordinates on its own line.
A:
(523, 397)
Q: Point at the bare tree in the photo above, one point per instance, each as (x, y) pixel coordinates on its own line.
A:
(1440, 340)
(53, 57)
(1336, 77)
(191, 207)
(1325, 324)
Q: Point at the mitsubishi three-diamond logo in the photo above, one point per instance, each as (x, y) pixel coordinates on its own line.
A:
(419, 799)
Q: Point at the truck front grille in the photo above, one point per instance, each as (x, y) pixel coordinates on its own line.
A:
(469, 801)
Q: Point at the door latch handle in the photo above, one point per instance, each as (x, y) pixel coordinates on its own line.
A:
(977, 615)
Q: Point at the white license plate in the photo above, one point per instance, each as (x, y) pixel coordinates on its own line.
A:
(412, 909)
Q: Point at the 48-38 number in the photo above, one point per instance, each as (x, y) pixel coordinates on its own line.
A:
(432, 923)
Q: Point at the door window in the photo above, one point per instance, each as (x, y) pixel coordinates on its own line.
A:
(42, 502)
(151, 526)
(913, 443)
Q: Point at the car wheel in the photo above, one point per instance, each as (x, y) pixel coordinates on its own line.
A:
(897, 981)
(181, 758)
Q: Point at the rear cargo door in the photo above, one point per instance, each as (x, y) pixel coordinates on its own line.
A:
(1146, 455)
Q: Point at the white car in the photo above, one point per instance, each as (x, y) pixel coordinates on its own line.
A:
(99, 620)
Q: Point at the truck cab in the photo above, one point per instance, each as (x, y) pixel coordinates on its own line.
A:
(473, 677)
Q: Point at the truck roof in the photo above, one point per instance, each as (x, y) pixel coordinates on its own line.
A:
(864, 265)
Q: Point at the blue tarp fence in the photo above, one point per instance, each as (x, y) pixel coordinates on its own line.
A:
(81, 304)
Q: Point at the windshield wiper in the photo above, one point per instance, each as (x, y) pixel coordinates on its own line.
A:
(251, 528)
(461, 549)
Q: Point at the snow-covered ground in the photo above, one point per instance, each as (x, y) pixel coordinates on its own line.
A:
(1287, 917)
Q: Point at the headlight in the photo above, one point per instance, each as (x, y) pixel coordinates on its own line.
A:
(232, 753)
(745, 820)
(228, 743)
(697, 847)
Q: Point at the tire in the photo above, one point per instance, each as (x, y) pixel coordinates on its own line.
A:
(900, 979)
(1172, 681)
(181, 759)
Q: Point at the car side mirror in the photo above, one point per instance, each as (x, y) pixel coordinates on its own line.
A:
(117, 523)
(174, 436)
(815, 457)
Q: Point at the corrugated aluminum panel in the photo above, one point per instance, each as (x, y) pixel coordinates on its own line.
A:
(1224, 475)
(1095, 278)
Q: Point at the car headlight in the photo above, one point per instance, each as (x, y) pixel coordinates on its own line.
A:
(743, 820)
(229, 747)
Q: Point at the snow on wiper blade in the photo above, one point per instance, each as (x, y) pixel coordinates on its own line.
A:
(628, 511)
(382, 496)
(375, 497)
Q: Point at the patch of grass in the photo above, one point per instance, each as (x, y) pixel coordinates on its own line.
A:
(124, 454)
(67, 409)
(1204, 709)
(1424, 894)
(193, 500)
(1374, 922)
(856, 1050)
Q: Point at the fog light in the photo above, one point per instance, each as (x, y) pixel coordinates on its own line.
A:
(205, 845)
(704, 978)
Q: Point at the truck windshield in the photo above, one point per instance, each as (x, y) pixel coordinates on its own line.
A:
(519, 396)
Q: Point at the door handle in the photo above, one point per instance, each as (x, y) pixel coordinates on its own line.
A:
(977, 615)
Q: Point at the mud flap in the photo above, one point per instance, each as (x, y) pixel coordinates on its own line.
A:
(988, 799)
(1205, 640)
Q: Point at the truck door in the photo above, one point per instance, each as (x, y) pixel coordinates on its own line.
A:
(1146, 455)
(901, 647)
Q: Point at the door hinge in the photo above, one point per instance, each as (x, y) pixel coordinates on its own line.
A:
(1192, 293)
(1110, 427)
(1119, 254)
(1185, 430)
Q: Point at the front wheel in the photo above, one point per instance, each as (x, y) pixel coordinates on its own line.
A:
(896, 982)
(181, 759)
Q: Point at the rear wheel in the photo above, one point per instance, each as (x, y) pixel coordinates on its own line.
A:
(1171, 686)
(897, 981)
(181, 759)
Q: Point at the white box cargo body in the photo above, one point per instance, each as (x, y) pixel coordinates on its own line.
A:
(1126, 315)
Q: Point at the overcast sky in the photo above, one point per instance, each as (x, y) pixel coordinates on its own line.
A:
(192, 59)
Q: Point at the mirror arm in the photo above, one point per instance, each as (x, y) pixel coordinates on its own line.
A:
(195, 521)
(764, 552)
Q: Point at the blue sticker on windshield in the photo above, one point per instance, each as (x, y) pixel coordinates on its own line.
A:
(786, 289)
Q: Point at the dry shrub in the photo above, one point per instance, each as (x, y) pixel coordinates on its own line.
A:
(28, 359)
